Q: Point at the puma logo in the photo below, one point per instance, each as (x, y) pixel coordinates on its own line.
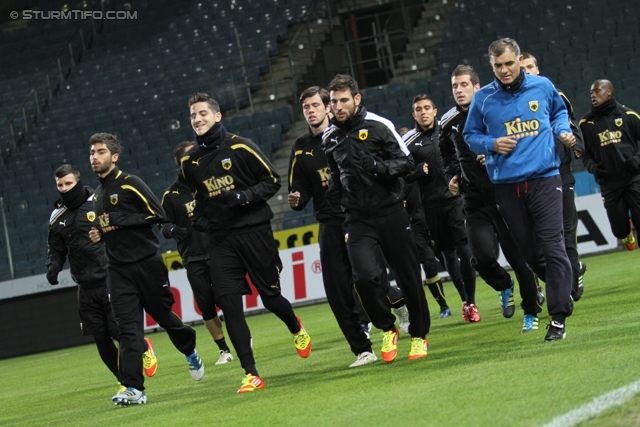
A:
(455, 128)
(419, 144)
(63, 223)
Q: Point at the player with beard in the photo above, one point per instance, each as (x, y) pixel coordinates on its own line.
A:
(367, 160)
(612, 136)
(485, 226)
(127, 211)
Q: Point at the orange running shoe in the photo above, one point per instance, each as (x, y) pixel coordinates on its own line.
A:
(149, 360)
(390, 345)
(302, 341)
(250, 383)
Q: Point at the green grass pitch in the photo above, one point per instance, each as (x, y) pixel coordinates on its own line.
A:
(485, 374)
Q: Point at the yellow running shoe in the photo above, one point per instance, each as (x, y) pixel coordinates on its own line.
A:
(629, 242)
(418, 348)
(250, 383)
(149, 360)
(302, 341)
(390, 345)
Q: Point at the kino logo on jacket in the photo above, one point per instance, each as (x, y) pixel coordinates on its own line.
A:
(216, 185)
(609, 137)
(521, 129)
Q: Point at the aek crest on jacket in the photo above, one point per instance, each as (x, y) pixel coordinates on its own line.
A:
(533, 105)
(226, 164)
(363, 134)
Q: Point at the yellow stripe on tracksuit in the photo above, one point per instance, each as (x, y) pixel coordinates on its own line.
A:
(128, 187)
(293, 165)
(249, 149)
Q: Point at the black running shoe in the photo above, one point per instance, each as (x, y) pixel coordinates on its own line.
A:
(578, 294)
(555, 331)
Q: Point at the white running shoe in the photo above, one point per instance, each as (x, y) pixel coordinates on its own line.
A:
(403, 318)
(225, 357)
(129, 396)
(364, 358)
(196, 367)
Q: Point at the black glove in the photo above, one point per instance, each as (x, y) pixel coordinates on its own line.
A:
(420, 169)
(371, 164)
(199, 223)
(631, 165)
(52, 275)
(178, 233)
(233, 199)
(602, 176)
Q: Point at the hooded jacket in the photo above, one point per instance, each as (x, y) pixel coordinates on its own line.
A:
(69, 237)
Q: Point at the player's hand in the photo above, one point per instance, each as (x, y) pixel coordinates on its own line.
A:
(200, 223)
(178, 233)
(602, 176)
(453, 185)
(631, 165)
(577, 153)
(95, 235)
(482, 159)
(52, 275)
(504, 144)
(294, 199)
(422, 168)
(568, 139)
(233, 199)
(371, 164)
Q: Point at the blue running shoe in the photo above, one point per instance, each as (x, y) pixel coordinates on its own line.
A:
(129, 396)
(507, 306)
(445, 312)
(531, 323)
(196, 368)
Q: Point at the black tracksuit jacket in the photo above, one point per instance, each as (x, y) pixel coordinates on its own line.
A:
(133, 211)
(178, 205)
(69, 237)
(612, 139)
(361, 193)
(232, 163)
(309, 174)
(434, 186)
(473, 180)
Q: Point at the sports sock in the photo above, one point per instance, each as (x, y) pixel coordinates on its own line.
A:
(222, 344)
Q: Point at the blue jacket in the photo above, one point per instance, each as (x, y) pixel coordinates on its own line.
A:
(532, 115)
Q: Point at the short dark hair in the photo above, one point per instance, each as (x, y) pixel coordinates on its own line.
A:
(313, 91)
(527, 55)
(67, 169)
(180, 149)
(203, 97)
(343, 82)
(422, 97)
(107, 139)
(466, 70)
(499, 46)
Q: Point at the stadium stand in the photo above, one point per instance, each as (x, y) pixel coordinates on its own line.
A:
(133, 78)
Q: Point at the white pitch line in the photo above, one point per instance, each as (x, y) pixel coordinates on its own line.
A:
(596, 406)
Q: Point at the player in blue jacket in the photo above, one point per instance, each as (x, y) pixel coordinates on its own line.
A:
(514, 122)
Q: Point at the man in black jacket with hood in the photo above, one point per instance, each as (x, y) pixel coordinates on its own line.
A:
(612, 137)
(232, 181)
(367, 160)
(69, 227)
